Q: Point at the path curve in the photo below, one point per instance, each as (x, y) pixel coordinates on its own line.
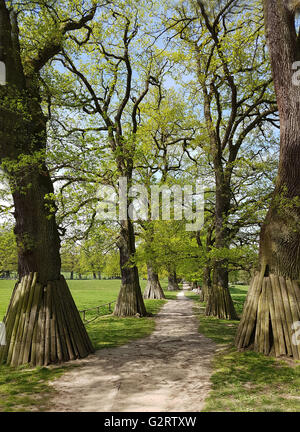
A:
(167, 371)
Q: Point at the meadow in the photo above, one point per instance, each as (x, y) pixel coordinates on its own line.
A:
(86, 293)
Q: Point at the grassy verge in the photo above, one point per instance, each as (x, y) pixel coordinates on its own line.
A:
(171, 295)
(23, 389)
(110, 331)
(247, 381)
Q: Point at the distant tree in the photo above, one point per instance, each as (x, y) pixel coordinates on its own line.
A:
(8, 251)
(69, 259)
(111, 268)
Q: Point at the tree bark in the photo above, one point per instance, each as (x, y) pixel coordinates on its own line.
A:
(35, 228)
(153, 289)
(272, 304)
(130, 300)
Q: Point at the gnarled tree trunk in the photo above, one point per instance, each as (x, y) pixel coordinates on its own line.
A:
(153, 289)
(273, 301)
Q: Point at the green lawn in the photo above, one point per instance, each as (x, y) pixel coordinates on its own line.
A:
(6, 287)
(86, 293)
(109, 331)
(23, 389)
(247, 381)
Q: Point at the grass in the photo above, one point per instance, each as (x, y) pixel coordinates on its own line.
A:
(222, 331)
(6, 287)
(251, 382)
(24, 389)
(86, 293)
(247, 381)
(170, 295)
(242, 381)
(110, 331)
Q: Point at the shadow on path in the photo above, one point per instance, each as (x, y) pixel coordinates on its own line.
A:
(164, 372)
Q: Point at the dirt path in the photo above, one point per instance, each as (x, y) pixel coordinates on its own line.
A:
(167, 371)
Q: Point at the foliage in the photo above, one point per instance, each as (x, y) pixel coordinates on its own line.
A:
(8, 249)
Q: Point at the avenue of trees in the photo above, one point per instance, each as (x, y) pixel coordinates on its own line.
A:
(162, 94)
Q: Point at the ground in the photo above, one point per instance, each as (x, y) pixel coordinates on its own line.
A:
(240, 381)
(167, 371)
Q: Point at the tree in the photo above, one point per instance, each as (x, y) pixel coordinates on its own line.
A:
(153, 288)
(8, 251)
(237, 101)
(69, 258)
(42, 321)
(168, 125)
(273, 300)
(112, 265)
(146, 254)
(113, 99)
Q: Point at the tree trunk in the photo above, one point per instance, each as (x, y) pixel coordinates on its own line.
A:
(130, 300)
(219, 303)
(35, 228)
(153, 289)
(99, 275)
(94, 275)
(72, 275)
(172, 281)
(272, 304)
(206, 285)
